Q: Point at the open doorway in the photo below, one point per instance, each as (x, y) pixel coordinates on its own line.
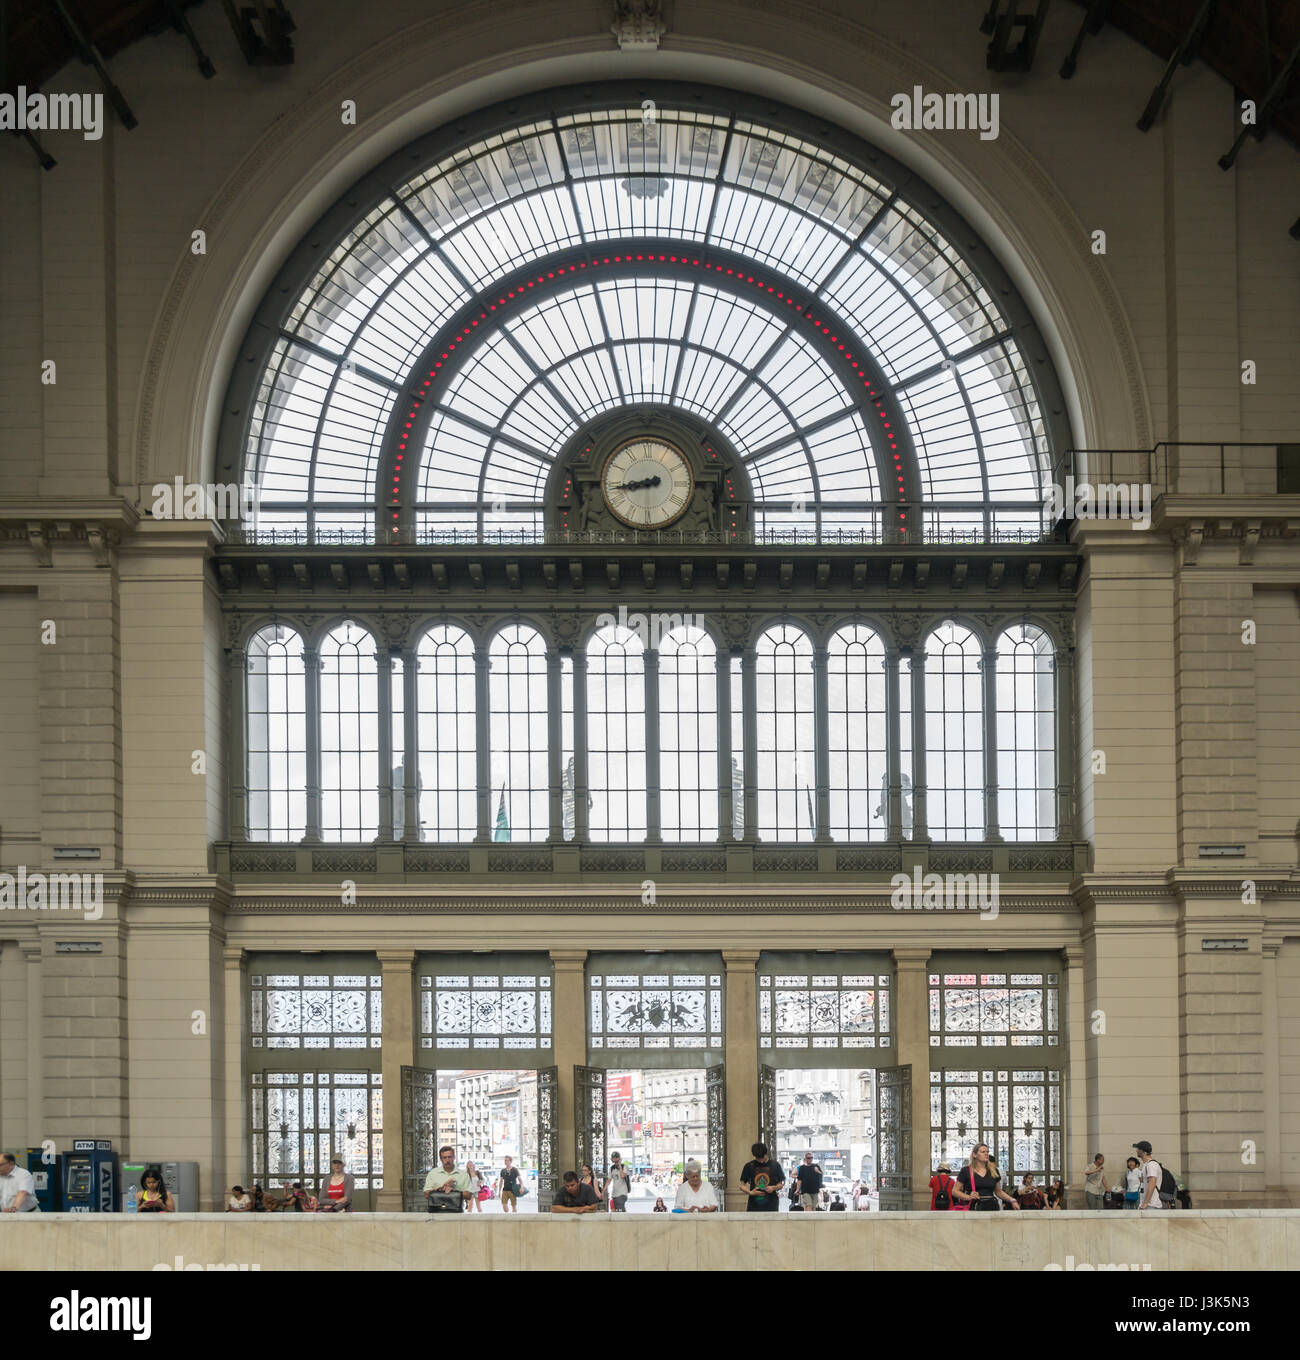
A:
(657, 1120)
(830, 1113)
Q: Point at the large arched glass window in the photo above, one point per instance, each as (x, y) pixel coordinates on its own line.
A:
(349, 735)
(688, 735)
(859, 779)
(616, 734)
(1026, 730)
(447, 735)
(786, 775)
(954, 734)
(517, 734)
(276, 707)
(775, 276)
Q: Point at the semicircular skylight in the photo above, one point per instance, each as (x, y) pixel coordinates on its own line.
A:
(357, 423)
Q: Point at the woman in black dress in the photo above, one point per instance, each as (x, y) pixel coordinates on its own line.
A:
(979, 1183)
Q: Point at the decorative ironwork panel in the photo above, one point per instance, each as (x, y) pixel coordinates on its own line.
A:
(1016, 1111)
(485, 1011)
(978, 1010)
(823, 1011)
(419, 1133)
(315, 1010)
(655, 1011)
(715, 1091)
(548, 1136)
(298, 1121)
(589, 1117)
(767, 1108)
(894, 1136)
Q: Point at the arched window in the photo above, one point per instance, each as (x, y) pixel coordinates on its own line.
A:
(1026, 729)
(616, 768)
(349, 735)
(518, 735)
(786, 774)
(276, 709)
(688, 735)
(859, 780)
(447, 736)
(954, 734)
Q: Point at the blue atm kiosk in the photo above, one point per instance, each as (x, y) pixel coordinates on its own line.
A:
(90, 1177)
(49, 1180)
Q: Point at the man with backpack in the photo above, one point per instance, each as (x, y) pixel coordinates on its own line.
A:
(941, 1184)
(1159, 1189)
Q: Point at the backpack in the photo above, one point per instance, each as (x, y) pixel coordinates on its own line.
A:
(1168, 1185)
(942, 1199)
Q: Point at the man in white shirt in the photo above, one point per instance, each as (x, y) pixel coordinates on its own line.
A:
(693, 1195)
(17, 1187)
(1152, 1172)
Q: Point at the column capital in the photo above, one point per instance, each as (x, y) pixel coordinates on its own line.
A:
(395, 958)
(736, 959)
(234, 955)
(32, 952)
(1073, 954)
(568, 960)
(912, 959)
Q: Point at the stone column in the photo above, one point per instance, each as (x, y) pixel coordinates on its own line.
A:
(1076, 1150)
(398, 1051)
(1066, 803)
(741, 1057)
(238, 1167)
(911, 1021)
(35, 1044)
(569, 1035)
(1271, 1161)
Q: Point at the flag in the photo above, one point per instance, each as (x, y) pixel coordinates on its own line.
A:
(502, 832)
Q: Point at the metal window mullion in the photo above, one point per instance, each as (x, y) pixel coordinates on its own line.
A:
(894, 748)
(722, 670)
(237, 762)
(749, 715)
(384, 689)
(822, 742)
(650, 675)
(920, 814)
(1066, 803)
(411, 830)
(581, 812)
(311, 665)
(483, 751)
(554, 748)
(989, 726)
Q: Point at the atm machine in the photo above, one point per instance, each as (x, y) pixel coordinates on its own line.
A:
(48, 1178)
(180, 1178)
(90, 1177)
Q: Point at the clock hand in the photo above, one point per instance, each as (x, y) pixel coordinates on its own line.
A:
(637, 486)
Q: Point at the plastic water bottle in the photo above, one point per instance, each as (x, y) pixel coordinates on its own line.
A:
(132, 1200)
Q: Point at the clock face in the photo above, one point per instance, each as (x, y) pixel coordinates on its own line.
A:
(647, 483)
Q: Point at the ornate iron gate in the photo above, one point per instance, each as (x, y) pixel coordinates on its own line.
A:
(548, 1136)
(419, 1133)
(589, 1118)
(715, 1095)
(767, 1108)
(894, 1136)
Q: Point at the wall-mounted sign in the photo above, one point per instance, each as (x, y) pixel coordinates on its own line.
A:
(1235, 943)
(78, 947)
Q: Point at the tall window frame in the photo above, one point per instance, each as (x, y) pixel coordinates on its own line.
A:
(785, 718)
(518, 734)
(350, 757)
(276, 734)
(858, 725)
(1025, 718)
(446, 734)
(954, 733)
(616, 734)
(688, 734)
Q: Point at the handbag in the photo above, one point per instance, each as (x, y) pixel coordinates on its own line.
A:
(522, 1191)
(484, 1193)
(444, 1203)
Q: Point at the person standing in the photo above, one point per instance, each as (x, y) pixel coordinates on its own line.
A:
(17, 1187)
(618, 1187)
(1132, 1183)
(447, 1184)
(694, 1196)
(809, 1180)
(588, 1177)
(334, 1193)
(1152, 1174)
(475, 1182)
(941, 1185)
(1094, 1183)
(507, 1186)
(761, 1179)
(979, 1182)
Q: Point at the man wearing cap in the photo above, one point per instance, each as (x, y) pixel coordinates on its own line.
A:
(693, 1195)
(1152, 1172)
